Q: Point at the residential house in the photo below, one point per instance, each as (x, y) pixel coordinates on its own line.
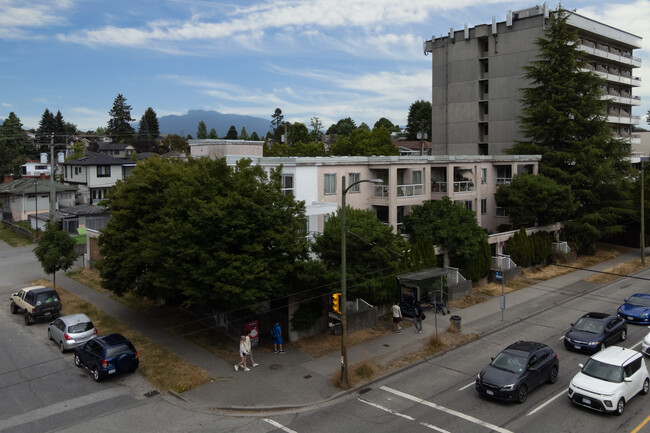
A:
(118, 150)
(94, 174)
(31, 196)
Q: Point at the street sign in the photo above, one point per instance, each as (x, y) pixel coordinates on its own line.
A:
(333, 315)
(499, 275)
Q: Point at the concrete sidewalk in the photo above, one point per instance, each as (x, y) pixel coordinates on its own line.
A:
(294, 379)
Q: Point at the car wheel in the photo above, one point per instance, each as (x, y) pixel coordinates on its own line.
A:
(522, 395)
(552, 378)
(620, 407)
(624, 335)
(49, 334)
(646, 386)
(96, 375)
(62, 347)
(14, 308)
(28, 319)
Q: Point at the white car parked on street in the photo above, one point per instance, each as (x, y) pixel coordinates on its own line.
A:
(645, 344)
(609, 379)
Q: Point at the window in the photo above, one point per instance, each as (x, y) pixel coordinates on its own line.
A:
(417, 177)
(77, 170)
(103, 171)
(468, 204)
(330, 183)
(484, 175)
(485, 88)
(287, 184)
(354, 177)
(483, 206)
(632, 367)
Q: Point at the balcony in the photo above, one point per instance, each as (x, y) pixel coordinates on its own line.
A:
(503, 180)
(438, 186)
(409, 190)
(380, 191)
(464, 186)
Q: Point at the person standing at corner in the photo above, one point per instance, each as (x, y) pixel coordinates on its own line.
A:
(242, 354)
(249, 348)
(276, 332)
(397, 317)
(417, 317)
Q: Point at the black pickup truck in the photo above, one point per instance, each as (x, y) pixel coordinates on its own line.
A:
(36, 302)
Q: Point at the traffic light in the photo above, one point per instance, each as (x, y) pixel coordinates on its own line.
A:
(336, 307)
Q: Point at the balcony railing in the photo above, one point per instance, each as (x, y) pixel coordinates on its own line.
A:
(503, 262)
(380, 191)
(464, 186)
(438, 186)
(409, 190)
(503, 180)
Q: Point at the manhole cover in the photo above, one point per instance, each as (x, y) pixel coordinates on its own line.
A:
(275, 366)
(151, 393)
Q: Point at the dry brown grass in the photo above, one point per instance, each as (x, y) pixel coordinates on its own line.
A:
(89, 277)
(620, 270)
(162, 368)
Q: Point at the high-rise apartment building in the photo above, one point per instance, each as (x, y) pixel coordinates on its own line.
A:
(478, 76)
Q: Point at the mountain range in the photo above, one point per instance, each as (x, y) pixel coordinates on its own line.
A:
(188, 124)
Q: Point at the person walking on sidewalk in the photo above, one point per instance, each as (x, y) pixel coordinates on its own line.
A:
(249, 348)
(417, 317)
(242, 354)
(276, 332)
(397, 317)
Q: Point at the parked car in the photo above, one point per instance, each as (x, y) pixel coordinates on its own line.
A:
(36, 302)
(595, 331)
(609, 379)
(517, 370)
(70, 331)
(106, 356)
(645, 344)
(636, 309)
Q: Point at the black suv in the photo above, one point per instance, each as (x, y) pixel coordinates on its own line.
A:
(106, 356)
(518, 369)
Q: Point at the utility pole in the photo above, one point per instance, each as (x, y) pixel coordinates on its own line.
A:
(52, 185)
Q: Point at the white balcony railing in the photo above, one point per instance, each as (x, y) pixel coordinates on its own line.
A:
(464, 186)
(503, 262)
(409, 190)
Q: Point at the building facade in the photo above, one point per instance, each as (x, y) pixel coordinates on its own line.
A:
(478, 73)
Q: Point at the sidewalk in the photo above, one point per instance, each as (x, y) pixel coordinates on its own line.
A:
(294, 379)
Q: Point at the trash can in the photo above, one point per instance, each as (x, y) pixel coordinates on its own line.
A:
(455, 321)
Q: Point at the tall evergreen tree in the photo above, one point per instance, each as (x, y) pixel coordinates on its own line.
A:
(15, 146)
(148, 130)
(202, 131)
(564, 120)
(232, 133)
(119, 125)
(243, 135)
(213, 134)
(59, 128)
(276, 122)
(46, 128)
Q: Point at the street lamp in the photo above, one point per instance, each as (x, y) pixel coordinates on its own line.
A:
(343, 303)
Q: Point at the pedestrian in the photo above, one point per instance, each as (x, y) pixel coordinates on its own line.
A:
(247, 335)
(417, 317)
(276, 332)
(242, 354)
(397, 317)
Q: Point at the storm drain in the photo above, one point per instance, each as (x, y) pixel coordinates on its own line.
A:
(151, 393)
(364, 390)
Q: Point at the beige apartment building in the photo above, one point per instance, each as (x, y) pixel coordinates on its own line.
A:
(478, 73)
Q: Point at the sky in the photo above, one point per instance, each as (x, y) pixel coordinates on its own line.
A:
(329, 59)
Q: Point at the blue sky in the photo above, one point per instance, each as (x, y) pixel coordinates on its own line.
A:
(312, 58)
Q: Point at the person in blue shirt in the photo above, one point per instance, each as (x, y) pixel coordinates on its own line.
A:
(276, 332)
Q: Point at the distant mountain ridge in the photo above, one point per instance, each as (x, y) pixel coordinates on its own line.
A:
(188, 124)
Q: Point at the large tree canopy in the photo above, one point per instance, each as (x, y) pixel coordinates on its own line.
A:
(55, 250)
(15, 146)
(362, 142)
(119, 125)
(419, 120)
(374, 254)
(200, 232)
(564, 120)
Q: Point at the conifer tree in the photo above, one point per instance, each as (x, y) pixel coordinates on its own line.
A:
(564, 120)
(119, 125)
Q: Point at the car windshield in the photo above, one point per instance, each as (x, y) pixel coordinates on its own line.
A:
(118, 350)
(46, 298)
(80, 327)
(600, 370)
(638, 300)
(588, 324)
(510, 362)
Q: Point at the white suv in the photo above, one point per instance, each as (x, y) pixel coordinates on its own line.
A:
(609, 379)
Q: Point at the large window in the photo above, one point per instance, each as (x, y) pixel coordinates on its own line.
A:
(287, 183)
(103, 171)
(354, 177)
(483, 206)
(330, 183)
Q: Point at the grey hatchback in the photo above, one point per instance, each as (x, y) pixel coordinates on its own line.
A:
(70, 331)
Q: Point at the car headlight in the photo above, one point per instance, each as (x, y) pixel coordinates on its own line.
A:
(644, 314)
(509, 387)
(611, 394)
(593, 343)
(566, 338)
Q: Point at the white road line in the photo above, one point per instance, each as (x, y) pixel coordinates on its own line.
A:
(278, 425)
(467, 386)
(447, 410)
(410, 418)
(541, 406)
(62, 406)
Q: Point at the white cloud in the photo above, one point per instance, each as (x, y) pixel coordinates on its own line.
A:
(19, 17)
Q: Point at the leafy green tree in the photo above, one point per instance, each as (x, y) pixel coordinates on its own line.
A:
(298, 133)
(342, 127)
(364, 126)
(119, 125)
(535, 200)
(101, 131)
(55, 250)
(15, 146)
(149, 129)
(419, 119)
(78, 150)
(316, 129)
(362, 142)
(454, 228)
(202, 131)
(70, 129)
(243, 135)
(564, 120)
(308, 149)
(374, 254)
(232, 133)
(386, 124)
(199, 232)
(174, 142)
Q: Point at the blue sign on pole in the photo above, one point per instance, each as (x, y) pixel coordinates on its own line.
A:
(499, 275)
